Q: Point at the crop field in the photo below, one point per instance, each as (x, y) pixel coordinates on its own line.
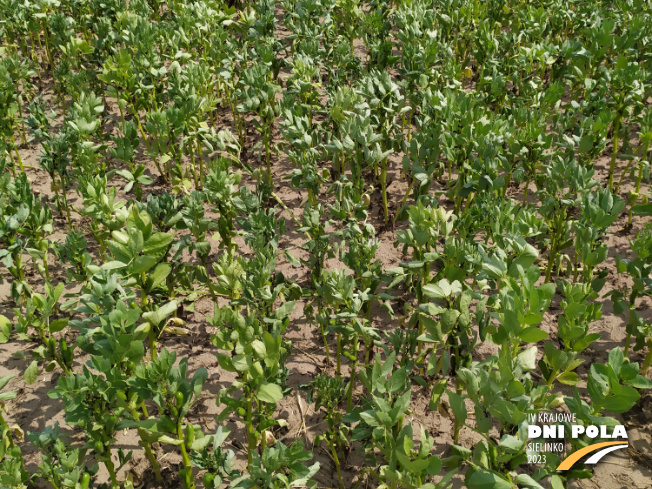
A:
(325, 244)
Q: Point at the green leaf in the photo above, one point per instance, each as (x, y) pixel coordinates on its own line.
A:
(5, 380)
(31, 374)
(143, 263)
(527, 359)
(569, 378)
(527, 481)
(511, 443)
(546, 291)
(159, 275)
(397, 381)
(511, 323)
(8, 396)
(532, 335)
(58, 324)
(486, 479)
(642, 210)
(113, 265)
(270, 393)
(457, 405)
(198, 381)
(293, 261)
(157, 244)
(285, 310)
(169, 440)
(5, 329)
(616, 360)
(556, 482)
(640, 382)
(155, 318)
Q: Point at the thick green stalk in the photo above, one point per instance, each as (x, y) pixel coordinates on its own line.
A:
(152, 344)
(263, 434)
(65, 200)
(21, 127)
(354, 367)
(339, 354)
(194, 168)
(622, 176)
(251, 441)
(187, 463)
(336, 461)
(45, 264)
(267, 138)
(639, 179)
(551, 258)
(422, 280)
(404, 199)
(614, 155)
(383, 185)
(20, 160)
(201, 165)
(111, 468)
(146, 140)
(148, 448)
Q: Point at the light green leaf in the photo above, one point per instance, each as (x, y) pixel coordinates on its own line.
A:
(527, 359)
(159, 275)
(31, 374)
(485, 479)
(58, 324)
(527, 481)
(532, 335)
(642, 210)
(270, 393)
(5, 329)
(155, 318)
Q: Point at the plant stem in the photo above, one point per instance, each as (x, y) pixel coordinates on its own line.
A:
(111, 468)
(639, 178)
(383, 185)
(323, 335)
(614, 155)
(152, 344)
(194, 167)
(20, 160)
(404, 199)
(339, 353)
(349, 395)
(549, 267)
(21, 130)
(622, 176)
(336, 461)
(268, 158)
(148, 448)
(201, 164)
(47, 48)
(250, 434)
(145, 139)
(188, 481)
